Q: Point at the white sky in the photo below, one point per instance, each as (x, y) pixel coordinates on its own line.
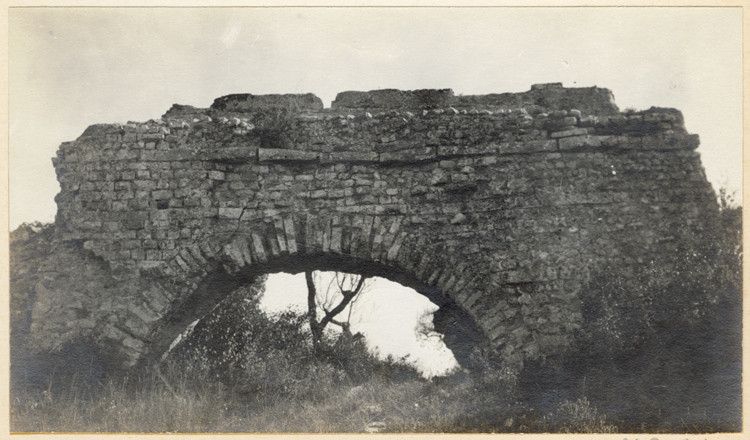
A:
(73, 67)
(380, 305)
(70, 68)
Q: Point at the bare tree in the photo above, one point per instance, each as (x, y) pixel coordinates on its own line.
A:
(343, 290)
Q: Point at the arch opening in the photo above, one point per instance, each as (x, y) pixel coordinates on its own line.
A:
(457, 330)
(393, 321)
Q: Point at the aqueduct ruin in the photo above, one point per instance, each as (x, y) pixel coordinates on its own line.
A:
(497, 207)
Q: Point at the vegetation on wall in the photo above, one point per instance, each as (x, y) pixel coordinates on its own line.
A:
(660, 349)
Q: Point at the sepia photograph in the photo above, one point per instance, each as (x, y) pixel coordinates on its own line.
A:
(397, 219)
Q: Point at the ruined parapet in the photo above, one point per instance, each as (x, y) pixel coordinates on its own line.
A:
(541, 98)
(249, 103)
(444, 126)
(394, 99)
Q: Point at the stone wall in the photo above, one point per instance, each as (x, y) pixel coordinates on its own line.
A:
(498, 206)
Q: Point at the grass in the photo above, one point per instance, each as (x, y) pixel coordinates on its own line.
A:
(182, 401)
(275, 383)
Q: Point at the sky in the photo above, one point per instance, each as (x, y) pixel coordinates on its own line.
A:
(73, 67)
(379, 305)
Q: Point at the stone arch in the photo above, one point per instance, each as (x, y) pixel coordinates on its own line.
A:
(363, 244)
(503, 203)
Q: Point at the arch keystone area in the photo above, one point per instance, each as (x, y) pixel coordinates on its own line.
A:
(498, 207)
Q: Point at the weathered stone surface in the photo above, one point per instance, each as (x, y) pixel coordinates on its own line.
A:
(412, 155)
(275, 154)
(570, 143)
(349, 156)
(466, 150)
(498, 208)
(589, 100)
(391, 98)
(571, 132)
(247, 102)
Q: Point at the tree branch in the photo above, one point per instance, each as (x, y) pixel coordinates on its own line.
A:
(311, 307)
(315, 328)
(348, 295)
(361, 284)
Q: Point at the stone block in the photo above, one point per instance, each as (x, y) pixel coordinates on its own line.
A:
(167, 155)
(234, 154)
(126, 155)
(574, 142)
(466, 150)
(161, 194)
(291, 237)
(282, 155)
(533, 146)
(569, 120)
(412, 155)
(233, 213)
(216, 175)
(232, 251)
(392, 254)
(671, 142)
(335, 193)
(134, 219)
(571, 132)
(349, 156)
(318, 194)
(257, 247)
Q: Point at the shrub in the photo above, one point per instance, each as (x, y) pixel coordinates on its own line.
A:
(265, 357)
(659, 349)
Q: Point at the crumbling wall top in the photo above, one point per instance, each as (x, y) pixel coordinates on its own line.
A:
(541, 97)
(395, 99)
(248, 102)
